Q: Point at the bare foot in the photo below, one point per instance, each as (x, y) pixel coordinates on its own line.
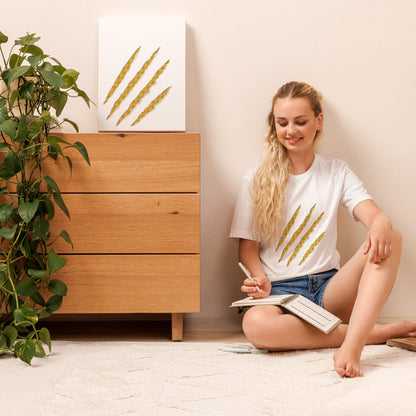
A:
(347, 361)
(347, 358)
(398, 329)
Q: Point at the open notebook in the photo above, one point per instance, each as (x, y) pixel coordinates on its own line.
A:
(299, 306)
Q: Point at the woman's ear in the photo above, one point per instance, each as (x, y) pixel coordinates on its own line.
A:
(320, 119)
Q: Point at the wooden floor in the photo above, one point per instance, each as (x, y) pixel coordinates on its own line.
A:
(136, 330)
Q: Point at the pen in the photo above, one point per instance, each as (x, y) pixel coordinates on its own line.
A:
(247, 273)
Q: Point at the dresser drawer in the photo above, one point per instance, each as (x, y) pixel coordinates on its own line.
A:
(131, 284)
(135, 162)
(130, 223)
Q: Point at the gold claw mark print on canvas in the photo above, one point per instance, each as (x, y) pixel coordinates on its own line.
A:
(151, 106)
(297, 233)
(122, 74)
(143, 92)
(132, 84)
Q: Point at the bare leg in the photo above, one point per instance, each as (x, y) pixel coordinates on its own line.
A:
(356, 294)
(375, 283)
(267, 327)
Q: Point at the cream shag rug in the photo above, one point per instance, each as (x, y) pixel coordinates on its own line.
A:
(172, 379)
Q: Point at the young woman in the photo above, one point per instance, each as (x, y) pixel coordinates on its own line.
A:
(286, 223)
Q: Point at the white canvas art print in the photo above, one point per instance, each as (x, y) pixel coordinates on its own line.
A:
(141, 74)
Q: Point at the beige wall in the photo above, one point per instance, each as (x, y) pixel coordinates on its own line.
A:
(359, 53)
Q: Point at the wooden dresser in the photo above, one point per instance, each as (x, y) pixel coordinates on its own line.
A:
(135, 225)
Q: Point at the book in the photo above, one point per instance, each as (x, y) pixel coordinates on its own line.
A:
(408, 343)
(299, 306)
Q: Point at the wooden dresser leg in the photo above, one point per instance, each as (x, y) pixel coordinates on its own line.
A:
(177, 326)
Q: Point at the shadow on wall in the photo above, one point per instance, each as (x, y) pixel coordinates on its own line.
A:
(336, 143)
(217, 252)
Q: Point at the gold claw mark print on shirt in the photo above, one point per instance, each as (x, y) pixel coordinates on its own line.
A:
(311, 248)
(304, 238)
(288, 227)
(297, 233)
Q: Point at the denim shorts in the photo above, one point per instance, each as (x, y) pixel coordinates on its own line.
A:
(312, 286)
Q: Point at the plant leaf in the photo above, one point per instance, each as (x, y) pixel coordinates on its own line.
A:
(39, 274)
(11, 333)
(46, 116)
(45, 314)
(5, 212)
(55, 262)
(82, 94)
(25, 350)
(15, 60)
(3, 342)
(73, 124)
(39, 351)
(57, 287)
(12, 163)
(13, 97)
(61, 204)
(29, 311)
(54, 303)
(38, 298)
(8, 233)
(40, 229)
(66, 237)
(25, 315)
(24, 247)
(68, 159)
(59, 102)
(55, 139)
(27, 210)
(29, 39)
(22, 129)
(45, 337)
(82, 149)
(8, 128)
(52, 184)
(70, 76)
(26, 91)
(34, 59)
(14, 74)
(3, 38)
(49, 207)
(26, 288)
(52, 78)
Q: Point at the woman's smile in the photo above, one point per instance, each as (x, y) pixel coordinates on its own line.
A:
(293, 141)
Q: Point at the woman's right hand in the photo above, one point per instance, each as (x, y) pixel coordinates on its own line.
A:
(263, 283)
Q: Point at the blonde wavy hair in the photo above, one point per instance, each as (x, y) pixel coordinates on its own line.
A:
(269, 186)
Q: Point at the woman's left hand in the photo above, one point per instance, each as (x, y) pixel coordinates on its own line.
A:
(378, 244)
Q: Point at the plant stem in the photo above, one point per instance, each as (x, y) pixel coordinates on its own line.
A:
(4, 59)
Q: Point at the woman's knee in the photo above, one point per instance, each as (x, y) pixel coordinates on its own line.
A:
(258, 319)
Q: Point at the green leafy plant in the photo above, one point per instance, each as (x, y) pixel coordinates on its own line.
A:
(34, 89)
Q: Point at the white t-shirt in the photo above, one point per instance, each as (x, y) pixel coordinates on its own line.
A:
(307, 243)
